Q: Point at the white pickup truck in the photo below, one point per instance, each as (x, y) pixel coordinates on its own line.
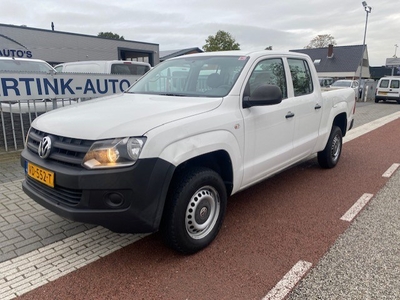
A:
(167, 153)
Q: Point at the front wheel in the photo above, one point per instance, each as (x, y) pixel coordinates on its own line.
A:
(194, 210)
(329, 157)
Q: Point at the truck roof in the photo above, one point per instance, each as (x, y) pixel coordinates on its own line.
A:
(248, 53)
(82, 62)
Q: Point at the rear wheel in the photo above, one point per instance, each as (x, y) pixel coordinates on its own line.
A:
(329, 157)
(194, 211)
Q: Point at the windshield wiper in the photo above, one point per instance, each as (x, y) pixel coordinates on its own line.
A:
(171, 94)
(161, 94)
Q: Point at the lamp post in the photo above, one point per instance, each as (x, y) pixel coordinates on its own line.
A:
(367, 11)
(394, 56)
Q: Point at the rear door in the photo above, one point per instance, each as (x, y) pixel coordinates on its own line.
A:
(307, 108)
(394, 89)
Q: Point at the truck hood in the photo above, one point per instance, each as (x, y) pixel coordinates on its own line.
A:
(121, 115)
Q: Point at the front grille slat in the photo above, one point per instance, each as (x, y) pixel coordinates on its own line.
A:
(66, 158)
(31, 146)
(70, 147)
(35, 135)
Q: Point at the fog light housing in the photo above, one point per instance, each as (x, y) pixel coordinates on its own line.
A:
(114, 200)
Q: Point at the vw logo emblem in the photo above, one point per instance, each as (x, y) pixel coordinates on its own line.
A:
(44, 147)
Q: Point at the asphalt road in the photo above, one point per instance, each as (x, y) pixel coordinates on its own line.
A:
(294, 219)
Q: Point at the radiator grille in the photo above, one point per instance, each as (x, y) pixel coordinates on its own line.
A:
(65, 150)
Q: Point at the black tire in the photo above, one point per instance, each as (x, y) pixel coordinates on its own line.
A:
(376, 100)
(329, 157)
(194, 211)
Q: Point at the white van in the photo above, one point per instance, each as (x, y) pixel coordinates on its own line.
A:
(28, 67)
(105, 67)
(325, 81)
(388, 88)
(13, 64)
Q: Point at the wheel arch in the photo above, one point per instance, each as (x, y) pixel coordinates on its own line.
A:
(218, 161)
(218, 150)
(341, 122)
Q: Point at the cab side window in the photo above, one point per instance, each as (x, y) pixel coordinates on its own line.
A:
(301, 77)
(269, 71)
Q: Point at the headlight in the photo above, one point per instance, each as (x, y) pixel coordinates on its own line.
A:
(113, 153)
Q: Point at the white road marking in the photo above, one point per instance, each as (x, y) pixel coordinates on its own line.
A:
(363, 129)
(289, 281)
(391, 170)
(357, 207)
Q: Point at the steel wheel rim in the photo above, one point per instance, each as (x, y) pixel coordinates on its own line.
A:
(335, 149)
(202, 212)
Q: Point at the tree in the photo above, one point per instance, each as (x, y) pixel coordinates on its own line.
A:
(321, 41)
(268, 48)
(110, 35)
(222, 41)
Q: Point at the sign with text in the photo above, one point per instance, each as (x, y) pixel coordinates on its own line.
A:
(26, 86)
(392, 62)
(15, 53)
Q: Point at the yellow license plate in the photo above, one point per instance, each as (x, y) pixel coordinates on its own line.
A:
(382, 93)
(39, 174)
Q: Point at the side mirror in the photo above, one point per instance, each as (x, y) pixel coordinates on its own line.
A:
(265, 94)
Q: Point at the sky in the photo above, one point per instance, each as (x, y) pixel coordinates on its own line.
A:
(254, 24)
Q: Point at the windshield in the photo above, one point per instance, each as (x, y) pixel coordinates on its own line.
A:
(198, 76)
(129, 69)
(342, 83)
(24, 66)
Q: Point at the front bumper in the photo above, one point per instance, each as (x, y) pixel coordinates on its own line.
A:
(129, 200)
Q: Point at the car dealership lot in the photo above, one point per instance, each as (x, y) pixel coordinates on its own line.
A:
(293, 217)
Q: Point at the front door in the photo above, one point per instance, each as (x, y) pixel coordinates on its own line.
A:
(268, 129)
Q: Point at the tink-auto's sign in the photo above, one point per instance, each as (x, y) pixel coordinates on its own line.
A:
(26, 86)
(15, 53)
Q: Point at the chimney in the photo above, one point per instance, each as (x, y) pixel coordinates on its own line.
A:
(330, 51)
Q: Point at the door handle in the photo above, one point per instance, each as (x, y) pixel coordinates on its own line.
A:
(317, 106)
(289, 115)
